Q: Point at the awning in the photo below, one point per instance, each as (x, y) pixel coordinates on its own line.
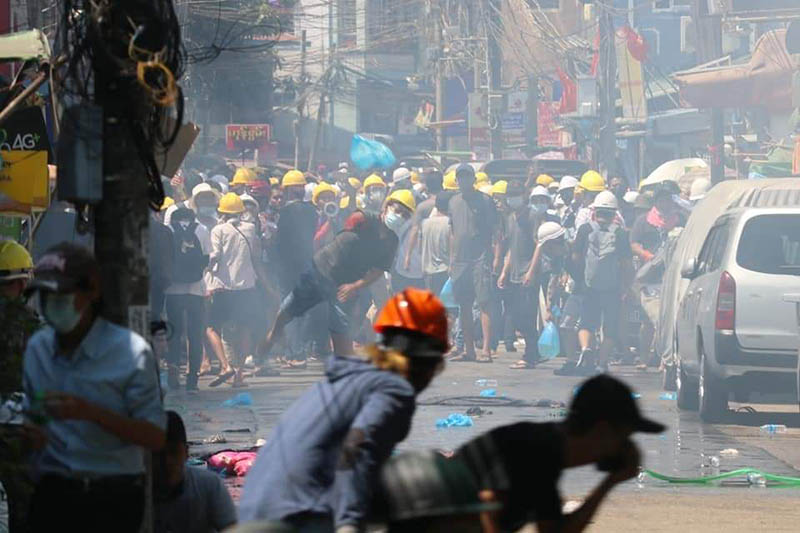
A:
(764, 81)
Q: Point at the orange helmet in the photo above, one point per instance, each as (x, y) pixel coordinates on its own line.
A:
(415, 310)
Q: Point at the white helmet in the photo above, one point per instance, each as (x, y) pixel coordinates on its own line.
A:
(549, 231)
(567, 182)
(700, 188)
(247, 199)
(309, 191)
(631, 197)
(539, 190)
(401, 174)
(605, 200)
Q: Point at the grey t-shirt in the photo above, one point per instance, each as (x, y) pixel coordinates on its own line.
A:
(472, 220)
(435, 244)
(203, 506)
(423, 210)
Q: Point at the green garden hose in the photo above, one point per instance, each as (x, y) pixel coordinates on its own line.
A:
(742, 472)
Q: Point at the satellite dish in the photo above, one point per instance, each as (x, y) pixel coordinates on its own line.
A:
(793, 37)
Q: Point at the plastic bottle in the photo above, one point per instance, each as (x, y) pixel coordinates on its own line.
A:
(484, 383)
(754, 478)
(773, 429)
(668, 396)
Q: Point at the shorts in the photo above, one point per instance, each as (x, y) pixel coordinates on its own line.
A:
(601, 308)
(312, 289)
(571, 314)
(472, 282)
(243, 307)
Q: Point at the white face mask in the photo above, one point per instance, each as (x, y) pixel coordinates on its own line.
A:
(59, 311)
(395, 222)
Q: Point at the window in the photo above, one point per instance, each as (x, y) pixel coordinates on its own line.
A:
(671, 5)
(718, 251)
(770, 244)
(706, 253)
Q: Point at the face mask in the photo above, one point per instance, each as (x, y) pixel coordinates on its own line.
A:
(394, 222)
(208, 211)
(375, 197)
(59, 311)
(537, 209)
(515, 202)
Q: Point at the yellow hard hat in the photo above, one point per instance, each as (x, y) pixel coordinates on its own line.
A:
(293, 177)
(243, 176)
(354, 183)
(321, 188)
(231, 204)
(374, 179)
(15, 261)
(500, 187)
(274, 181)
(449, 182)
(414, 177)
(481, 178)
(405, 197)
(592, 181)
(167, 203)
(544, 180)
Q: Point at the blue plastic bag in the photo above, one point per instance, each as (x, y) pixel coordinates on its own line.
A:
(367, 154)
(241, 399)
(446, 295)
(455, 420)
(488, 393)
(549, 343)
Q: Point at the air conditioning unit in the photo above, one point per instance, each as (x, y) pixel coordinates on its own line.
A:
(750, 7)
(688, 35)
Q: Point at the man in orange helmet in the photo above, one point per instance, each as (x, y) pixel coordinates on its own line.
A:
(320, 465)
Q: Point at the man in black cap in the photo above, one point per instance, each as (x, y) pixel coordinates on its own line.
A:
(93, 401)
(522, 462)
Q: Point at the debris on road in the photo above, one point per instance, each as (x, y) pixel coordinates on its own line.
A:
(454, 420)
(241, 399)
(477, 411)
(729, 452)
(217, 438)
(488, 393)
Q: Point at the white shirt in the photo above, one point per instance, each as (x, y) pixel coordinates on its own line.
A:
(196, 288)
(435, 243)
(230, 261)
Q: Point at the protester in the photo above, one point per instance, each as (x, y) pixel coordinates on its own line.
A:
(185, 296)
(94, 404)
(187, 499)
(522, 463)
(473, 220)
(19, 323)
(234, 285)
(603, 252)
(566, 191)
(406, 274)
(435, 244)
(320, 465)
(591, 184)
(294, 248)
(352, 261)
(433, 186)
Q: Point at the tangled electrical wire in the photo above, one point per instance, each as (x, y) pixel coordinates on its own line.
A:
(136, 48)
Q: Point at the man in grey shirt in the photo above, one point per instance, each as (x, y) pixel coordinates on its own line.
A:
(93, 404)
(187, 499)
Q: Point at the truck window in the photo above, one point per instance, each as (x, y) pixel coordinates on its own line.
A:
(770, 244)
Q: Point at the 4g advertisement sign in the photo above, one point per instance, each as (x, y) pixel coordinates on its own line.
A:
(25, 130)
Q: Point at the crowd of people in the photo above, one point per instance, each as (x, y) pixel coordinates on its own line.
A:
(310, 258)
(256, 273)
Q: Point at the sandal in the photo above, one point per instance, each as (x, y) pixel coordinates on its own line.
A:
(266, 372)
(460, 358)
(222, 378)
(522, 365)
(239, 384)
(483, 359)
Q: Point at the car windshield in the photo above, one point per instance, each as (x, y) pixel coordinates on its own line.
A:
(771, 244)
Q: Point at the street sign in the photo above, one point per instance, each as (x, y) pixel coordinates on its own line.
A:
(246, 136)
(548, 134)
(478, 121)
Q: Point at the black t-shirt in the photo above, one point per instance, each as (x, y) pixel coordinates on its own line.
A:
(650, 237)
(522, 462)
(294, 239)
(365, 243)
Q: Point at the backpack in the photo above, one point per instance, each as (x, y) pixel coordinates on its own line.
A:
(189, 261)
(602, 261)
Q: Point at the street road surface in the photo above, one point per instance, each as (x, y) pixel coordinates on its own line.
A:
(650, 506)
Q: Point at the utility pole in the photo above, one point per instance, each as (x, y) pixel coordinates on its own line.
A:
(532, 114)
(607, 78)
(709, 48)
(494, 60)
(436, 15)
